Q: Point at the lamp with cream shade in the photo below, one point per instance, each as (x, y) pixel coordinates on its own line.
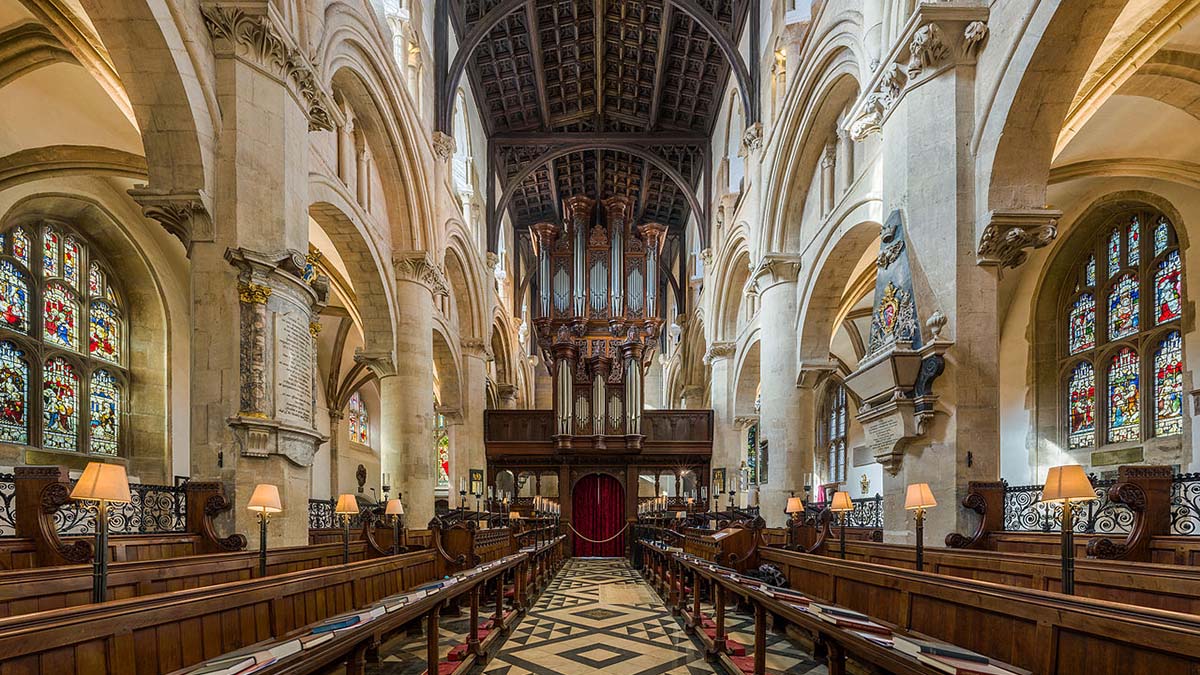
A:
(1067, 485)
(264, 502)
(918, 498)
(841, 504)
(100, 485)
(794, 506)
(347, 508)
(395, 509)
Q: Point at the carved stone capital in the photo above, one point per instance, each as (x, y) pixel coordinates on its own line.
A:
(1008, 234)
(419, 267)
(775, 268)
(752, 139)
(706, 257)
(719, 350)
(475, 347)
(443, 146)
(255, 33)
(745, 421)
(939, 37)
(183, 214)
(381, 363)
(492, 259)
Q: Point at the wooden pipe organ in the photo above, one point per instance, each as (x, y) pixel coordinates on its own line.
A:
(597, 323)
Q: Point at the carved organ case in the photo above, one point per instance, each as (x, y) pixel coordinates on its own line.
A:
(597, 320)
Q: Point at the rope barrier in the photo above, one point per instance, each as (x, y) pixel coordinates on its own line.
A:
(593, 541)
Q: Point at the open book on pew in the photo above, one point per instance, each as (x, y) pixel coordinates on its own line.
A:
(250, 659)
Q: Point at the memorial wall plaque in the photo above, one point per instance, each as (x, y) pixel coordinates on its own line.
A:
(293, 368)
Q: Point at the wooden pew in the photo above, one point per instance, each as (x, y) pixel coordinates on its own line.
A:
(167, 631)
(1046, 633)
(45, 588)
(1170, 587)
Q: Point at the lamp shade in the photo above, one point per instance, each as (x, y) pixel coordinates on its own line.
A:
(841, 502)
(102, 482)
(394, 508)
(265, 499)
(514, 515)
(679, 515)
(794, 505)
(919, 496)
(1067, 482)
(346, 504)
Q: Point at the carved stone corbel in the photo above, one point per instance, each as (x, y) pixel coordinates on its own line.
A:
(814, 371)
(719, 350)
(382, 364)
(752, 139)
(185, 215)
(443, 145)
(775, 268)
(1008, 234)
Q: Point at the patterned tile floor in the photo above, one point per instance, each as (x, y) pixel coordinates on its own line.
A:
(597, 616)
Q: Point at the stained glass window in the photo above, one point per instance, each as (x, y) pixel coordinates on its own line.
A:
(95, 280)
(71, 261)
(50, 249)
(105, 397)
(60, 405)
(752, 452)
(1114, 253)
(834, 432)
(1168, 386)
(441, 442)
(104, 339)
(1123, 308)
(1167, 304)
(1162, 238)
(21, 246)
(69, 419)
(14, 298)
(1083, 324)
(1089, 273)
(14, 394)
(1124, 418)
(1082, 392)
(59, 315)
(360, 424)
(1134, 249)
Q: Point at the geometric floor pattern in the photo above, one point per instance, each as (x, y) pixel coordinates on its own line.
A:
(599, 616)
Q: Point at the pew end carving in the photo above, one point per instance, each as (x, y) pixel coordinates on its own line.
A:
(985, 498)
(1145, 490)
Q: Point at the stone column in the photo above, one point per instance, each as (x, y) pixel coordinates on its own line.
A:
(407, 418)
(727, 445)
(781, 421)
(924, 104)
(253, 378)
(474, 379)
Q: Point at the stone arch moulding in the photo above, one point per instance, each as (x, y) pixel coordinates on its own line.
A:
(566, 149)
(448, 83)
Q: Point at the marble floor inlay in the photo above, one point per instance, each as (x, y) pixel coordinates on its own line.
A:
(600, 616)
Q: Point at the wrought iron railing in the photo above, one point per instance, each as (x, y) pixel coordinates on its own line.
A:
(1185, 504)
(8, 505)
(152, 509)
(868, 512)
(320, 513)
(1025, 512)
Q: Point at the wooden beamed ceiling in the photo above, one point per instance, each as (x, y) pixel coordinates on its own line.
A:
(639, 71)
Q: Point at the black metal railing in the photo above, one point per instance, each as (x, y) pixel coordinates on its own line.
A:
(867, 513)
(152, 509)
(1025, 512)
(322, 515)
(1185, 504)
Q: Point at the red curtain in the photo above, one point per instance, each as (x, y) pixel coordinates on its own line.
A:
(598, 513)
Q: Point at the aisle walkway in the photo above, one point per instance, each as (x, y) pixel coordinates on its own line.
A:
(599, 616)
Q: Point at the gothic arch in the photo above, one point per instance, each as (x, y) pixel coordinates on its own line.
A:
(749, 369)
(826, 284)
(349, 46)
(465, 287)
(1047, 65)
(446, 360)
(365, 262)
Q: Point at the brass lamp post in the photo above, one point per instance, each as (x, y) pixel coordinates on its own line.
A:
(1067, 485)
(395, 509)
(841, 504)
(794, 506)
(100, 485)
(918, 498)
(347, 508)
(264, 502)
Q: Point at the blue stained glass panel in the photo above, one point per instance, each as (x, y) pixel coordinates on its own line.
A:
(1168, 386)
(14, 395)
(1123, 308)
(1124, 405)
(105, 408)
(60, 405)
(1082, 414)
(14, 297)
(1167, 298)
